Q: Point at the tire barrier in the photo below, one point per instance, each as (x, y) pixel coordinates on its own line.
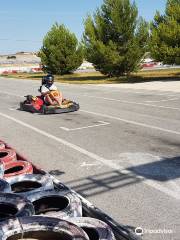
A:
(1, 170)
(13, 205)
(7, 156)
(4, 186)
(95, 229)
(38, 227)
(2, 146)
(54, 203)
(17, 168)
(30, 183)
(35, 192)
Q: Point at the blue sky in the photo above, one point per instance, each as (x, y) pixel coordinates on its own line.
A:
(23, 24)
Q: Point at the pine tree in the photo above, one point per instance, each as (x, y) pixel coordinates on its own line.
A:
(115, 38)
(61, 53)
(165, 36)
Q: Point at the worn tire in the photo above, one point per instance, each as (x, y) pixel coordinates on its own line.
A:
(13, 205)
(17, 168)
(30, 183)
(38, 227)
(4, 186)
(94, 228)
(1, 170)
(7, 156)
(54, 203)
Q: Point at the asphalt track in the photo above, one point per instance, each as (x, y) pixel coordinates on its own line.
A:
(120, 150)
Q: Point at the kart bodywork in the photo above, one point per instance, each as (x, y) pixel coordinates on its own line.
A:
(36, 105)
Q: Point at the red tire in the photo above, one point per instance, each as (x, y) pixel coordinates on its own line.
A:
(7, 156)
(2, 145)
(17, 168)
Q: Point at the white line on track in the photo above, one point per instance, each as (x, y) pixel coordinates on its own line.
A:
(84, 164)
(129, 121)
(131, 102)
(124, 91)
(94, 156)
(112, 99)
(145, 92)
(101, 123)
(133, 122)
(164, 100)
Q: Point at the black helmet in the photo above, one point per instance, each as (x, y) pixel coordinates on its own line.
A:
(49, 79)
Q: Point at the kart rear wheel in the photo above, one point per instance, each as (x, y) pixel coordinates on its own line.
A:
(21, 106)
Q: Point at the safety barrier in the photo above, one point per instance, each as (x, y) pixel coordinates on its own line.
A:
(17, 168)
(30, 183)
(40, 228)
(7, 156)
(12, 205)
(35, 192)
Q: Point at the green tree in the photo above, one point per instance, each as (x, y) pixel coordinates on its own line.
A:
(115, 39)
(61, 52)
(165, 34)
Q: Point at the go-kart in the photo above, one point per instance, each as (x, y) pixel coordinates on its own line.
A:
(37, 105)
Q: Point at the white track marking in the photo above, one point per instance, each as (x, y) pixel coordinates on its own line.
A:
(131, 102)
(144, 92)
(164, 100)
(124, 90)
(13, 109)
(112, 99)
(101, 123)
(85, 164)
(133, 122)
(94, 156)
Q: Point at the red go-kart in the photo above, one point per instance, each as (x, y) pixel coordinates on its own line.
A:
(36, 104)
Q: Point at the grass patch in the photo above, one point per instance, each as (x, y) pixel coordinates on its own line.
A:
(98, 78)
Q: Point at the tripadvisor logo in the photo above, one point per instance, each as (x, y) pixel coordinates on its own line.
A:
(139, 231)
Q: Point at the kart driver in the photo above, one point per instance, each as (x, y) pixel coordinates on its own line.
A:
(50, 92)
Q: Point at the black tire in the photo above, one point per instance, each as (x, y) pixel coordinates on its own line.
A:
(38, 227)
(21, 106)
(30, 183)
(55, 203)
(95, 229)
(4, 186)
(13, 205)
(72, 108)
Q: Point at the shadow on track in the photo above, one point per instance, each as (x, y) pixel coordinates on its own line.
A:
(101, 183)
(163, 170)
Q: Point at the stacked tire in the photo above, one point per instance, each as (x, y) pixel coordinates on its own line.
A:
(10, 165)
(32, 206)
